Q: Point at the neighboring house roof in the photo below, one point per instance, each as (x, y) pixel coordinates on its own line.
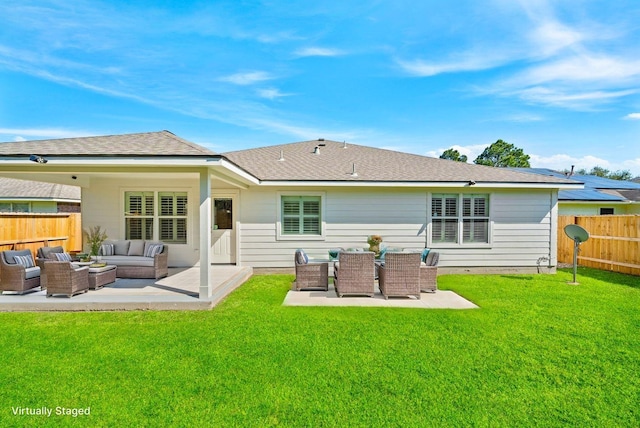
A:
(597, 189)
(336, 161)
(162, 143)
(14, 189)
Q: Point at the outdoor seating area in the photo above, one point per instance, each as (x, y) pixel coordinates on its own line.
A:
(358, 272)
(63, 274)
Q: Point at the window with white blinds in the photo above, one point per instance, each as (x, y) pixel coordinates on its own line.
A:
(301, 215)
(169, 217)
(138, 215)
(460, 218)
(173, 217)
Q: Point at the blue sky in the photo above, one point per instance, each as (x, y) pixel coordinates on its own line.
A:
(559, 79)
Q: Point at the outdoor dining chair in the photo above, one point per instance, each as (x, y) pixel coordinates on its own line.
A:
(354, 273)
(310, 274)
(400, 275)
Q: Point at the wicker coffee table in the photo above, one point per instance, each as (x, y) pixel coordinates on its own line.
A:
(101, 276)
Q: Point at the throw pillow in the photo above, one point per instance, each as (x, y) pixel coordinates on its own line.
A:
(301, 257)
(106, 249)
(26, 261)
(136, 248)
(153, 249)
(425, 253)
(62, 257)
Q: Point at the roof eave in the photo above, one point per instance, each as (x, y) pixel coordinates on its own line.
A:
(446, 184)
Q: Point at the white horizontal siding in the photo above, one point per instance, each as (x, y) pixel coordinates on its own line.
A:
(521, 226)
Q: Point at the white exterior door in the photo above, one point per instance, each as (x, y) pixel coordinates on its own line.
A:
(223, 235)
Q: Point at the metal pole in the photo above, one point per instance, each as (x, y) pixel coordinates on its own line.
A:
(576, 243)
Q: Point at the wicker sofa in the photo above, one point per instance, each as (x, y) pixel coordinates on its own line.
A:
(136, 258)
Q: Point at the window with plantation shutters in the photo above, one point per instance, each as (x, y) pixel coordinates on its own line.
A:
(301, 215)
(156, 215)
(459, 218)
(444, 213)
(475, 213)
(139, 210)
(172, 223)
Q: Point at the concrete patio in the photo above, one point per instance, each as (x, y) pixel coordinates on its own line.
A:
(441, 299)
(178, 291)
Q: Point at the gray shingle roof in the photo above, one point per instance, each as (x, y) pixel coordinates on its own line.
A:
(26, 189)
(162, 143)
(336, 163)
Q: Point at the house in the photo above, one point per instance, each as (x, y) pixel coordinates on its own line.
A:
(600, 196)
(26, 196)
(256, 207)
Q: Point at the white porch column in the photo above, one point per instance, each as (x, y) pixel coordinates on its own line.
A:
(205, 233)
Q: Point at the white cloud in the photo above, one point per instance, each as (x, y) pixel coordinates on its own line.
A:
(318, 51)
(18, 134)
(271, 93)
(567, 98)
(471, 151)
(470, 61)
(248, 78)
(633, 116)
(600, 69)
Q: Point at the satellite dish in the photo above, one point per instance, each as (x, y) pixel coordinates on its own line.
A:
(576, 233)
(579, 235)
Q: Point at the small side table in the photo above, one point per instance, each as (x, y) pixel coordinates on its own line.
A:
(101, 276)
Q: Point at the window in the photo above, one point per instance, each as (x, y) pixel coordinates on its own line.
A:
(460, 219)
(169, 218)
(15, 207)
(606, 211)
(173, 217)
(444, 211)
(139, 215)
(301, 215)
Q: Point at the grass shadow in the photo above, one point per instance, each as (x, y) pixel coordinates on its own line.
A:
(606, 276)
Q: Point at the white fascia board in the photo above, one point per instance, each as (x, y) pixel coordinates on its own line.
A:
(478, 185)
(596, 202)
(238, 171)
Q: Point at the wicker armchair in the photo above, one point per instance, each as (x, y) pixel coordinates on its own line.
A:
(310, 275)
(354, 273)
(63, 278)
(400, 275)
(429, 273)
(16, 277)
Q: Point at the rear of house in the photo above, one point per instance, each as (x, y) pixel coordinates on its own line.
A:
(256, 207)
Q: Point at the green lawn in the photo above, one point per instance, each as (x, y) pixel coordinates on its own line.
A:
(537, 352)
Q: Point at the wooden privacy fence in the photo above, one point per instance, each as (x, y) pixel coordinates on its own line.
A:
(614, 242)
(31, 231)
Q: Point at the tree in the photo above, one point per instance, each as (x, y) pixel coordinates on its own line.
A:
(622, 175)
(503, 154)
(454, 155)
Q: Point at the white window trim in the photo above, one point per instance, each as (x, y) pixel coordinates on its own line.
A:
(156, 216)
(459, 244)
(323, 226)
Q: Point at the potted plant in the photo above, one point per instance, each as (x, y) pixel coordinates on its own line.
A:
(95, 237)
(374, 242)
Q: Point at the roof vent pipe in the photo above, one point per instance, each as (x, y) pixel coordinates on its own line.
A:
(353, 171)
(316, 151)
(344, 144)
(281, 156)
